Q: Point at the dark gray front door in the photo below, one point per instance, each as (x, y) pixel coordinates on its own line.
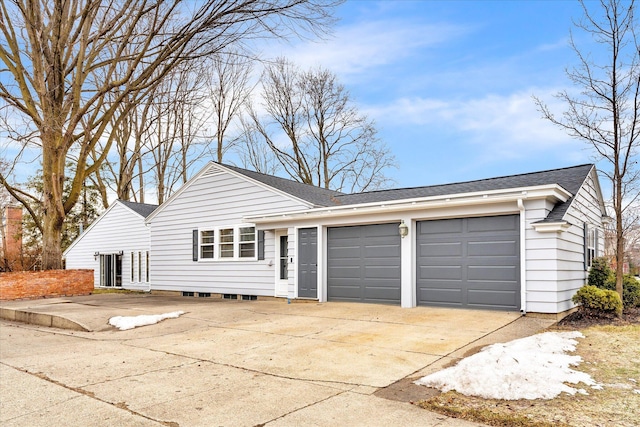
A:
(469, 262)
(308, 263)
(363, 263)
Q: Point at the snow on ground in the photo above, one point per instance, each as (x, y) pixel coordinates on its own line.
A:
(535, 367)
(129, 322)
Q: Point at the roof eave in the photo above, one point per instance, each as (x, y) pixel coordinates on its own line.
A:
(553, 192)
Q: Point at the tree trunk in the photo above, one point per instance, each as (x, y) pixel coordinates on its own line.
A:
(53, 162)
(619, 239)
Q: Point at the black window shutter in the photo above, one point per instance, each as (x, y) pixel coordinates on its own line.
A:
(595, 249)
(586, 246)
(260, 244)
(195, 245)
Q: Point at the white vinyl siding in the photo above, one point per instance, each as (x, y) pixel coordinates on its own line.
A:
(555, 261)
(214, 200)
(118, 229)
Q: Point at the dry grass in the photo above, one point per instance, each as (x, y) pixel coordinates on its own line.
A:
(611, 355)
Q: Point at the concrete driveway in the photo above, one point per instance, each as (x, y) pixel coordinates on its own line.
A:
(232, 363)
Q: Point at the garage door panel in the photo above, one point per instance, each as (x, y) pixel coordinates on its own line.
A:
(341, 273)
(381, 251)
(483, 271)
(381, 272)
(436, 249)
(492, 248)
(364, 263)
(492, 224)
(440, 272)
(451, 226)
(492, 298)
(450, 297)
(494, 272)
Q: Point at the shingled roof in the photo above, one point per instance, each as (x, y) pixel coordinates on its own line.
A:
(569, 178)
(319, 197)
(142, 209)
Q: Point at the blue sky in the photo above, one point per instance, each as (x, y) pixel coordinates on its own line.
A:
(450, 83)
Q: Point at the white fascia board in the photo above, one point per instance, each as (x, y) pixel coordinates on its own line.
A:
(551, 227)
(552, 191)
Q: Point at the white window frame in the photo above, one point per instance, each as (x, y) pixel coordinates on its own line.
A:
(202, 244)
(592, 242)
(237, 244)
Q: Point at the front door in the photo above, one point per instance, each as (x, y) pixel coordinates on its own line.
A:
(308, 263)
(282, 264)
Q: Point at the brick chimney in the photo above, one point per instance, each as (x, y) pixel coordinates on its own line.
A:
(12, 236)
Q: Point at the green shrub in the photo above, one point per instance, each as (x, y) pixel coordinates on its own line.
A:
(601, 275)
(631, 291)
(598, 302)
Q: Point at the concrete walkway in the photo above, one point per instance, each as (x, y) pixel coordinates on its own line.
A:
(232, 363)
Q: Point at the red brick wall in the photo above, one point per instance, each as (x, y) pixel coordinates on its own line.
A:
(51, 283)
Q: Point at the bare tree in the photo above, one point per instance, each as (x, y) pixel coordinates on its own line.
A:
(605, 112)
(330, 144)
(252, 151)
(228, 89)
(60, 68)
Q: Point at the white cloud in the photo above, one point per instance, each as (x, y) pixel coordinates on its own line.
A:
(509, 126)
(364, 46)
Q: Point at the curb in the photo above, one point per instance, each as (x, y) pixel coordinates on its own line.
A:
(41, 319)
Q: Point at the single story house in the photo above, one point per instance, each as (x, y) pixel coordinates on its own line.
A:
(520, 243)
(116, 247)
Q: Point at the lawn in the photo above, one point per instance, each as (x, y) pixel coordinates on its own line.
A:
(610, 354)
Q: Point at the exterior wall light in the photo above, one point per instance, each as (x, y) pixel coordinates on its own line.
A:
(96, 255)
(403, 229)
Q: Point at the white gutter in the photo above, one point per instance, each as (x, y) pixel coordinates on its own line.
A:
(477, 198)
(523, 259)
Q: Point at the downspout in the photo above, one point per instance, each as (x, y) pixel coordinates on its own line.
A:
(523, 262)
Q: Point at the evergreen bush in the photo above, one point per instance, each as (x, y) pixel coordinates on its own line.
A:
(598, 302)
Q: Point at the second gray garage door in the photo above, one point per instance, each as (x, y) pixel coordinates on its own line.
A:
(363, 263)
(469, 262)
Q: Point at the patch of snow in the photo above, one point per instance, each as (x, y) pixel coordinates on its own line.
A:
(534, 367)
(636, 391)
(129, 322)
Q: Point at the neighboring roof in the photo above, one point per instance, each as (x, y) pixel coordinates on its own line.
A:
(316, 195)
(142, 209)
(570, 179)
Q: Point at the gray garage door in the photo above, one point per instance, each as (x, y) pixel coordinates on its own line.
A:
(469, 262)
(363, 263)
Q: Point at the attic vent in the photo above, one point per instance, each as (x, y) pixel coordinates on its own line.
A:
(187, 294)
(204, 294)
(229, 296)
(249, 297)
(215, 170)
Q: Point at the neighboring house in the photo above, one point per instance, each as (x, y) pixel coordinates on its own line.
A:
(521, 242)
(115, 246)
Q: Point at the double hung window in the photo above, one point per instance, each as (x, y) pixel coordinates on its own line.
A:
(228, 243)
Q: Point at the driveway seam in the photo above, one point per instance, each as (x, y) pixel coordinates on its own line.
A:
(91, 395)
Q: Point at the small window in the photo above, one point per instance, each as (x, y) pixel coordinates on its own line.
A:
(591, 245)
(133, 263)
(147, 266)
(284, 258)
(247, 242)
(139, 266)
(207, 239)
(226, 243)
